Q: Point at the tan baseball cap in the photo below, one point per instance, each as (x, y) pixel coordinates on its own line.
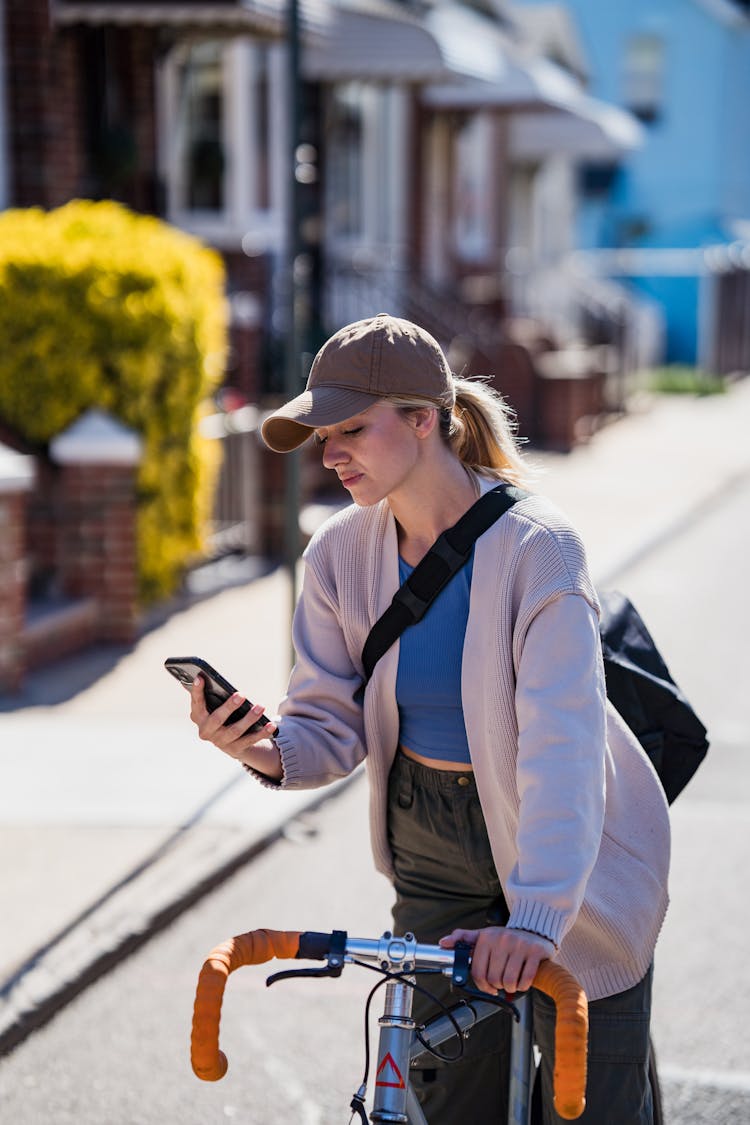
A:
(361, 363)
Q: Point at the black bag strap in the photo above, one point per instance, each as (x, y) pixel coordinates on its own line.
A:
(446, 556)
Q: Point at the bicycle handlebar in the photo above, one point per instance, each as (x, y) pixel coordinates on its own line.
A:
(208, 1062)
(401, 955)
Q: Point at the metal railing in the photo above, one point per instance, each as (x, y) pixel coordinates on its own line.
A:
(727, 317)
(723, 302)
(359, 289)
(235, 524)
(584, 307)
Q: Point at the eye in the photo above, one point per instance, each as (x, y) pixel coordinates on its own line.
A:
(320, 441)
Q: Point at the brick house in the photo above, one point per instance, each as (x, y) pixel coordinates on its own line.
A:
(421, 163)
(414, 166)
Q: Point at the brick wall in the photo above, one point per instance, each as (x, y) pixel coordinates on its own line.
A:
(75, 525)
(12, 587)
(95, 517)
(96, 549)
(59, 81)
(43, 107)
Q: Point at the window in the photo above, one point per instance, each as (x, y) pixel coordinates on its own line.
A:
(346, 138)
(644, 76)
(223, 126)
(365, 156)
(201, 134)
(473, 189)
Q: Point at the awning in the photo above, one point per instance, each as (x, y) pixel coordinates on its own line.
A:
(474, 48)
(374, 41)
(371, 40)
(593, 131)
(248, 16)
(551, 112)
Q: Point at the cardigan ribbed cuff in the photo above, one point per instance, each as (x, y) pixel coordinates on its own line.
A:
(539, 918)
(291, 773)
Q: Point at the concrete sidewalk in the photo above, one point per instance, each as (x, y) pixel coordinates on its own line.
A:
(114, 817)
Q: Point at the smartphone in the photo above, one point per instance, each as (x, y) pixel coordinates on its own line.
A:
(215, 688)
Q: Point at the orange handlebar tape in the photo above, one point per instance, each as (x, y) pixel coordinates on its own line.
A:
(208, 1062)
(571, 1037)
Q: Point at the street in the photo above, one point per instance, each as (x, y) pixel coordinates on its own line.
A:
(119, 1054)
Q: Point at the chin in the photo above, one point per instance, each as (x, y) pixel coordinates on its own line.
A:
(366, 498)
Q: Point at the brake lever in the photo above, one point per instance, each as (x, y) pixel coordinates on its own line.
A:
(287, 974)
(460, 978)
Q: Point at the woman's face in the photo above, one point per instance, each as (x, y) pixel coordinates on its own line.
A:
(373, 454)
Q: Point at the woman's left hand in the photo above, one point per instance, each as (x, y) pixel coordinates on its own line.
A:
(502, 958)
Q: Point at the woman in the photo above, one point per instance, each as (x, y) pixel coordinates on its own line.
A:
(508, 803)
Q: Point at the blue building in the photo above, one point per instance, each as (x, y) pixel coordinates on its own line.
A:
(683, 67)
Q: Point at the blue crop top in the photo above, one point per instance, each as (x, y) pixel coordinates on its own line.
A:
(428, 684)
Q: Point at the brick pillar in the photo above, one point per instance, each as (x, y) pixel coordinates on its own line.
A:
(16, 476)
(96, 544)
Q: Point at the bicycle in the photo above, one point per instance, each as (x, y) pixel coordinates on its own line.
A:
(402, 1044)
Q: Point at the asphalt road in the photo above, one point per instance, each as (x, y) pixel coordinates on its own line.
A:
(119, 1054)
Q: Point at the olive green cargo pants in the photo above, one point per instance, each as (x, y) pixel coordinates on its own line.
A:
(445, 878)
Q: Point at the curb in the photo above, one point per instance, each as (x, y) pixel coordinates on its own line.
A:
(137, 908)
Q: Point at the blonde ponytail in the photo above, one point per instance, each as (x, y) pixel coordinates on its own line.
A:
(482, 432)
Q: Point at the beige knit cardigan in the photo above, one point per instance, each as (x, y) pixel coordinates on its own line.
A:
(576, 816)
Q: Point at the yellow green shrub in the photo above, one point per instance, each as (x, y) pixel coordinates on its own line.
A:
(103, 307)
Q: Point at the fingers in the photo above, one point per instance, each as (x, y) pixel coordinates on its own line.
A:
(507, 959)
(450, 940)
(232, 739)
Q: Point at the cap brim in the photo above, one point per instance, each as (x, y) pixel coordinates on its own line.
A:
(292, 424)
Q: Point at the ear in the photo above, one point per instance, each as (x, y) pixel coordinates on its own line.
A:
(423, 420)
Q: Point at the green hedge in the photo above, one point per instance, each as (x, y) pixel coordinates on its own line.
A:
(103, 307)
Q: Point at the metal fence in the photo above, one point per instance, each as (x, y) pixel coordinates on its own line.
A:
(235, 525)
(728, 314)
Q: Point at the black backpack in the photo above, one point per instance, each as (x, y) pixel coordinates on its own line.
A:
(638, 681)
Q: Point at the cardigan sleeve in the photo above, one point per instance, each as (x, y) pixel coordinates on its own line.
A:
(561, 711)
(321, 735)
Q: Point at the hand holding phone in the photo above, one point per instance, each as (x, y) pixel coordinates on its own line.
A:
(216, 689)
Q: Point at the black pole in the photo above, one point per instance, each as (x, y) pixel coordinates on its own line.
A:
(294, 332)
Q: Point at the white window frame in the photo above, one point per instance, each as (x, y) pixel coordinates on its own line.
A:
(383, 188)
(473, 238)
(241, 221)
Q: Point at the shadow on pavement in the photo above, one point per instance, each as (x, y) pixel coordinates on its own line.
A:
(64, 679)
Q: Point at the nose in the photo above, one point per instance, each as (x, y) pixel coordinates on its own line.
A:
(333, 453)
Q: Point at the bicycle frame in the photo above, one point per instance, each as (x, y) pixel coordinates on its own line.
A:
(399, 1051)
(398, 959)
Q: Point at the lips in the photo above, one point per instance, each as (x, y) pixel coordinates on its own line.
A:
(351, 479)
